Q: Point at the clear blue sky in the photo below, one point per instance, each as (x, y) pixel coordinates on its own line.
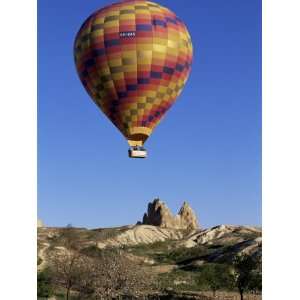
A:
(206, 151)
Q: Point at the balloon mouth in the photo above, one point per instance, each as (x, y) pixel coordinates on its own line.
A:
(138, 135)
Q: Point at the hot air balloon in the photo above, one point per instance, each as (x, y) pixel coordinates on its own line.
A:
(133, 58)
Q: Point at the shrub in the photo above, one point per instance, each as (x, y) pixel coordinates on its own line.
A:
(44, 287)
(215, 277)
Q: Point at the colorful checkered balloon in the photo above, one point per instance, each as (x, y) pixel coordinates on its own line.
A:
(133, 58)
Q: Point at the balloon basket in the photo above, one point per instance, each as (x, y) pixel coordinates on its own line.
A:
(137, 152)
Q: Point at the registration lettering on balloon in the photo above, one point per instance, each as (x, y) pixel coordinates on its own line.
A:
(127, 34)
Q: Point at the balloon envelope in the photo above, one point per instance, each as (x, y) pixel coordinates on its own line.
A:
(133, 59)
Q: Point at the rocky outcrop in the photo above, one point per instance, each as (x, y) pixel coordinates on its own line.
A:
(187, 217)
(222, 234)
(40, 223)
(158, 214)
(142, 234)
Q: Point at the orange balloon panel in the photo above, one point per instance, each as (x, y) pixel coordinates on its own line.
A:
(133, 58)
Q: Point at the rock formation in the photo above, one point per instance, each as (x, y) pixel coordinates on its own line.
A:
(40, 223)
(188, 217)
(158, 214)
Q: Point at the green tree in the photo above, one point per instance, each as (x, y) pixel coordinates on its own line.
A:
(244, 270)
(255, 284)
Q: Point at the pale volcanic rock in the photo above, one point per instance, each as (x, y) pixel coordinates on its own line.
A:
(159, 214)
(222, 234)
(188, 217)
(40, 223)
(142, 234)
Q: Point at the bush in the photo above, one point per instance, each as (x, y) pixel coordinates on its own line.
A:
(92, 251)
(44, 288)
(215, 277)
